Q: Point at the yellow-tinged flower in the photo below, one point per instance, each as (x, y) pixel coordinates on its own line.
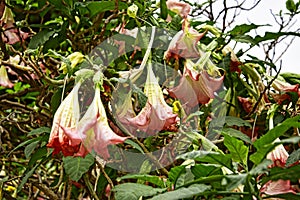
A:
(75, 59)
(4, 81)
(132, 10)
(66, 117)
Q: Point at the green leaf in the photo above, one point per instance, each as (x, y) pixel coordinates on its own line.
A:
(203, 170)
(182, 193)
(27, 173)
(233, 181)
(208, 156)
(237, 134)
(41, 38)
(261, 167)
(276, 173)
(245, 39)
(145, 177)
(135, 145)
(277, 131)
(40, 153)
(290, 5)
(163, 9)
(294, 157)
(39, 131)
(274, 36)
(30, 148)
(237, 149)
(236, 121)
(289, 196)
(25, 143)
(96, 7)
(75, 167)
(242, 29)
(133, 191)
(175, 172)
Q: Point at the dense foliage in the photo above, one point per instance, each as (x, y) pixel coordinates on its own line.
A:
(145, 100)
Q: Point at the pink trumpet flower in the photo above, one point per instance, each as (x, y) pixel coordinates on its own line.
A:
(94, 131)
(196, 86)
(279, 156)
(184, 43)
(180, 8)
(157, 115)
(4, 80)
(66, 117)
(11, 34)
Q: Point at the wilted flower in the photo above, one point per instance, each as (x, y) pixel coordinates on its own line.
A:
(11, 35)
(93, 129)
(196, 86)
(282, 87)
(157, 115)
(184, 43)
(234, 61)
(4, 81)
(180, 8)
(66, 117)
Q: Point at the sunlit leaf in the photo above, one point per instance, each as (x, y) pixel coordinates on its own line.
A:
(237, 149)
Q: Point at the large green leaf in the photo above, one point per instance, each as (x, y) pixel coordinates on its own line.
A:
(181, 193)
(97, 7)
(274, 36)
(276, 132)
(175, 173)
(75, 167)
(237, 134)
(41, 38)
(133, 191)
(242, 29)
(209, 157)
(236, 121)
(39, 131)
(262, 152)
(237, 149)
(145, 177)
(276, 173)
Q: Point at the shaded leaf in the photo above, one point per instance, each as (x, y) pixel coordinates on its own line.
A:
(145, 177)
(181, 193)
(237, 134)
(294, 157)
(30, 148)
(276, 173)
(236, 121)
(75, 167)
(133, 191)
(97, 7)
(39, 131)
(41, 38)
(175, 173)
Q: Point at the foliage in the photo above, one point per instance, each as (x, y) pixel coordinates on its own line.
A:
(231, 135)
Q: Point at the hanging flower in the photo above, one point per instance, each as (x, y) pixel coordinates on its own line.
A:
(283, 87)
(180, 8)
(196, 86)
(66, 117)
(93, 129)
(4, 81)
(157, 115)
(279, 157)
(184, 43)
(11, 35)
